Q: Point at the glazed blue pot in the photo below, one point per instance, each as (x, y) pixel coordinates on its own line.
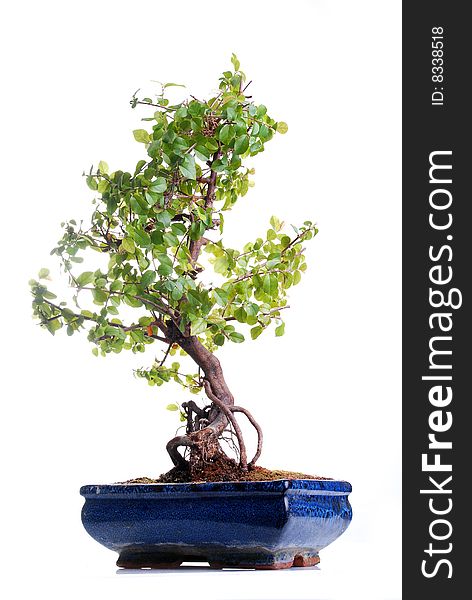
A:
(254, 524)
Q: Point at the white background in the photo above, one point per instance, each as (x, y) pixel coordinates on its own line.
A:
(327, 393)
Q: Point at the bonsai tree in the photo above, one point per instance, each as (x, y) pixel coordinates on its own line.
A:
(161, 227)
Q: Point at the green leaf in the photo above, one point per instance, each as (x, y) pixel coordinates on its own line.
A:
(138, 205)
(142, 238)
(270, 284)
(43, 273)
(236, 337)
(140, 164)
(202, 152)
(147, 278)
(165, 270)
(256, 332)
(241, 144)
(172, 407)
(103, 186)
(221, 296)
(164, 217)
(187, 168)
(280, 330)
(145, 321)
(131, 289)
(256, 147)
(252, 309)
(134, 302)
(215, 319)
(211, 144)
(273, 262)
(164, 259)
(152, 197)
(240, 314)
(170, 239)
(282, 127)
(264, 133)
(285, 241)
(221, 264)
(116, 286)
(296, 277)
(219, 339)
(103, 167)
(261, 110)
(53, 326)
(178, 229)
(198, 326)
(99, 296)
(158, 186)
(92, 183)
(128, 245)
(84, 278)
(226, 134)
(141, 135)
(235, 61)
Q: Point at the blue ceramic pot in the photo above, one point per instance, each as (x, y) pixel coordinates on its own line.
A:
(256, 524)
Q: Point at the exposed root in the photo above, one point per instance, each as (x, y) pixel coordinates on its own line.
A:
(171, 447)
(201, 439)
(203, 446)
(227, 411)
(256, 427)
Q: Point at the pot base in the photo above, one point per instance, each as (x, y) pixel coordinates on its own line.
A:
(135, 559)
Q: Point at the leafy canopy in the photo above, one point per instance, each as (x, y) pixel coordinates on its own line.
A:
(153, 221)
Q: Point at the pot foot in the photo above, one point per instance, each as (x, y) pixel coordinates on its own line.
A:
(143, 560)
(306, 560)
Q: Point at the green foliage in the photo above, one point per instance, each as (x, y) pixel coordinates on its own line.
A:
(147, 221)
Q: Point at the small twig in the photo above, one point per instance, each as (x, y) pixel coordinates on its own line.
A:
(166, 354)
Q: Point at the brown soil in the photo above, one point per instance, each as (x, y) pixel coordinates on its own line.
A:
(223, 470)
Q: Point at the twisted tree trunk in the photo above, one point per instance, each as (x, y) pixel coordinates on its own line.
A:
(204, 442)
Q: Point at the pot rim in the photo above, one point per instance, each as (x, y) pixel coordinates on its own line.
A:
(318, 487)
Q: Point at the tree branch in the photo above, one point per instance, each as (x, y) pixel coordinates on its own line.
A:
(195, 245)
(133, 327)
(274, 310)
